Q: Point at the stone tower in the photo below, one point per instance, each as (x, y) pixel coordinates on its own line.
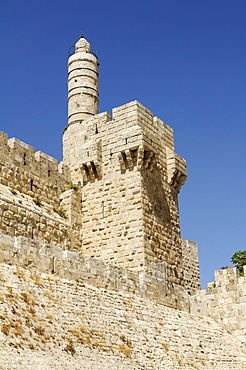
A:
(130, 177)
(82, 83)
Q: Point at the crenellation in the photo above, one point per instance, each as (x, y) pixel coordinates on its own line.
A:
(33, 173)
(224, 300)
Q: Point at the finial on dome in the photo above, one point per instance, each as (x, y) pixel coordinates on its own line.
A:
(82, 45)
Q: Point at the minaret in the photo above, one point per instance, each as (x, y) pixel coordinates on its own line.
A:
(82, 83)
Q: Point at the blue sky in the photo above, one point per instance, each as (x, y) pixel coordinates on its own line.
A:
(183, 59)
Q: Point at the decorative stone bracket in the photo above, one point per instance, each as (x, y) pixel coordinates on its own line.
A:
(140, 157)
(177, 180)
(90, 171)
(176, 171)
(91, 160)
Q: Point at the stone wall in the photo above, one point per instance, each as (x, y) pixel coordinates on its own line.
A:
(51, 323)
(33, 173)
(225, 301)
(191, 266)
(23, 215)
(45, 258)
(122, 215)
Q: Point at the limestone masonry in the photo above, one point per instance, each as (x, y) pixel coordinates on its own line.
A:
(107, 216)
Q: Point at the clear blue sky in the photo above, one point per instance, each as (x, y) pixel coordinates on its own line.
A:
(183, 59)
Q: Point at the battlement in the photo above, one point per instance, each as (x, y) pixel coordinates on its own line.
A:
(155, 134)
(224, 300)
(133, 134)
(229, 276)
(33, 173)
(33, 193)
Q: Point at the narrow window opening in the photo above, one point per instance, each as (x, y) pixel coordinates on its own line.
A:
(96, 131)
(31, 185)
(126, 140)
(103, 208)
(48, 173)
(24, 159)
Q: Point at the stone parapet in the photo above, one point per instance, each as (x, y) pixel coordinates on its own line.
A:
(33, 173)
(46, 258)
(23, 215)
(225, 301)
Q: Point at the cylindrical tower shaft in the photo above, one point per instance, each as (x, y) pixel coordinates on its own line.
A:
(82, 83)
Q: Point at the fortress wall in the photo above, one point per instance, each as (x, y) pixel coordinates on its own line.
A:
(225, 301)
(191, 266)
(51, 323)
(45, 258)
(161, 223)
(111, 221)
(33, 173)
(21, 215)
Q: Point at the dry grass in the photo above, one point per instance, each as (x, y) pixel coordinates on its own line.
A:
(37, 280)
(126, 341)
(15, 345)
(165, 346)
(179, 361)
(80, 329)
(48, 294)
(39, 330)
(82, 334)
(20, 273)
(27, 299)
(5, 329)
(31, 310)
(100, 345)
(123, 348)
(16, 327)
(70, 348)
(18, 330)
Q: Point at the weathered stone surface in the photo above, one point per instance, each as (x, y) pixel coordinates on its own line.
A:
(126, 176)
(52, 323)
(225, 301)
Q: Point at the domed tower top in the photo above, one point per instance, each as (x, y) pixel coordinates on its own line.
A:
(82, 83)
(82, 45)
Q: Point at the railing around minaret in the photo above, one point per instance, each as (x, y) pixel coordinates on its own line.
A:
(71, 51)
